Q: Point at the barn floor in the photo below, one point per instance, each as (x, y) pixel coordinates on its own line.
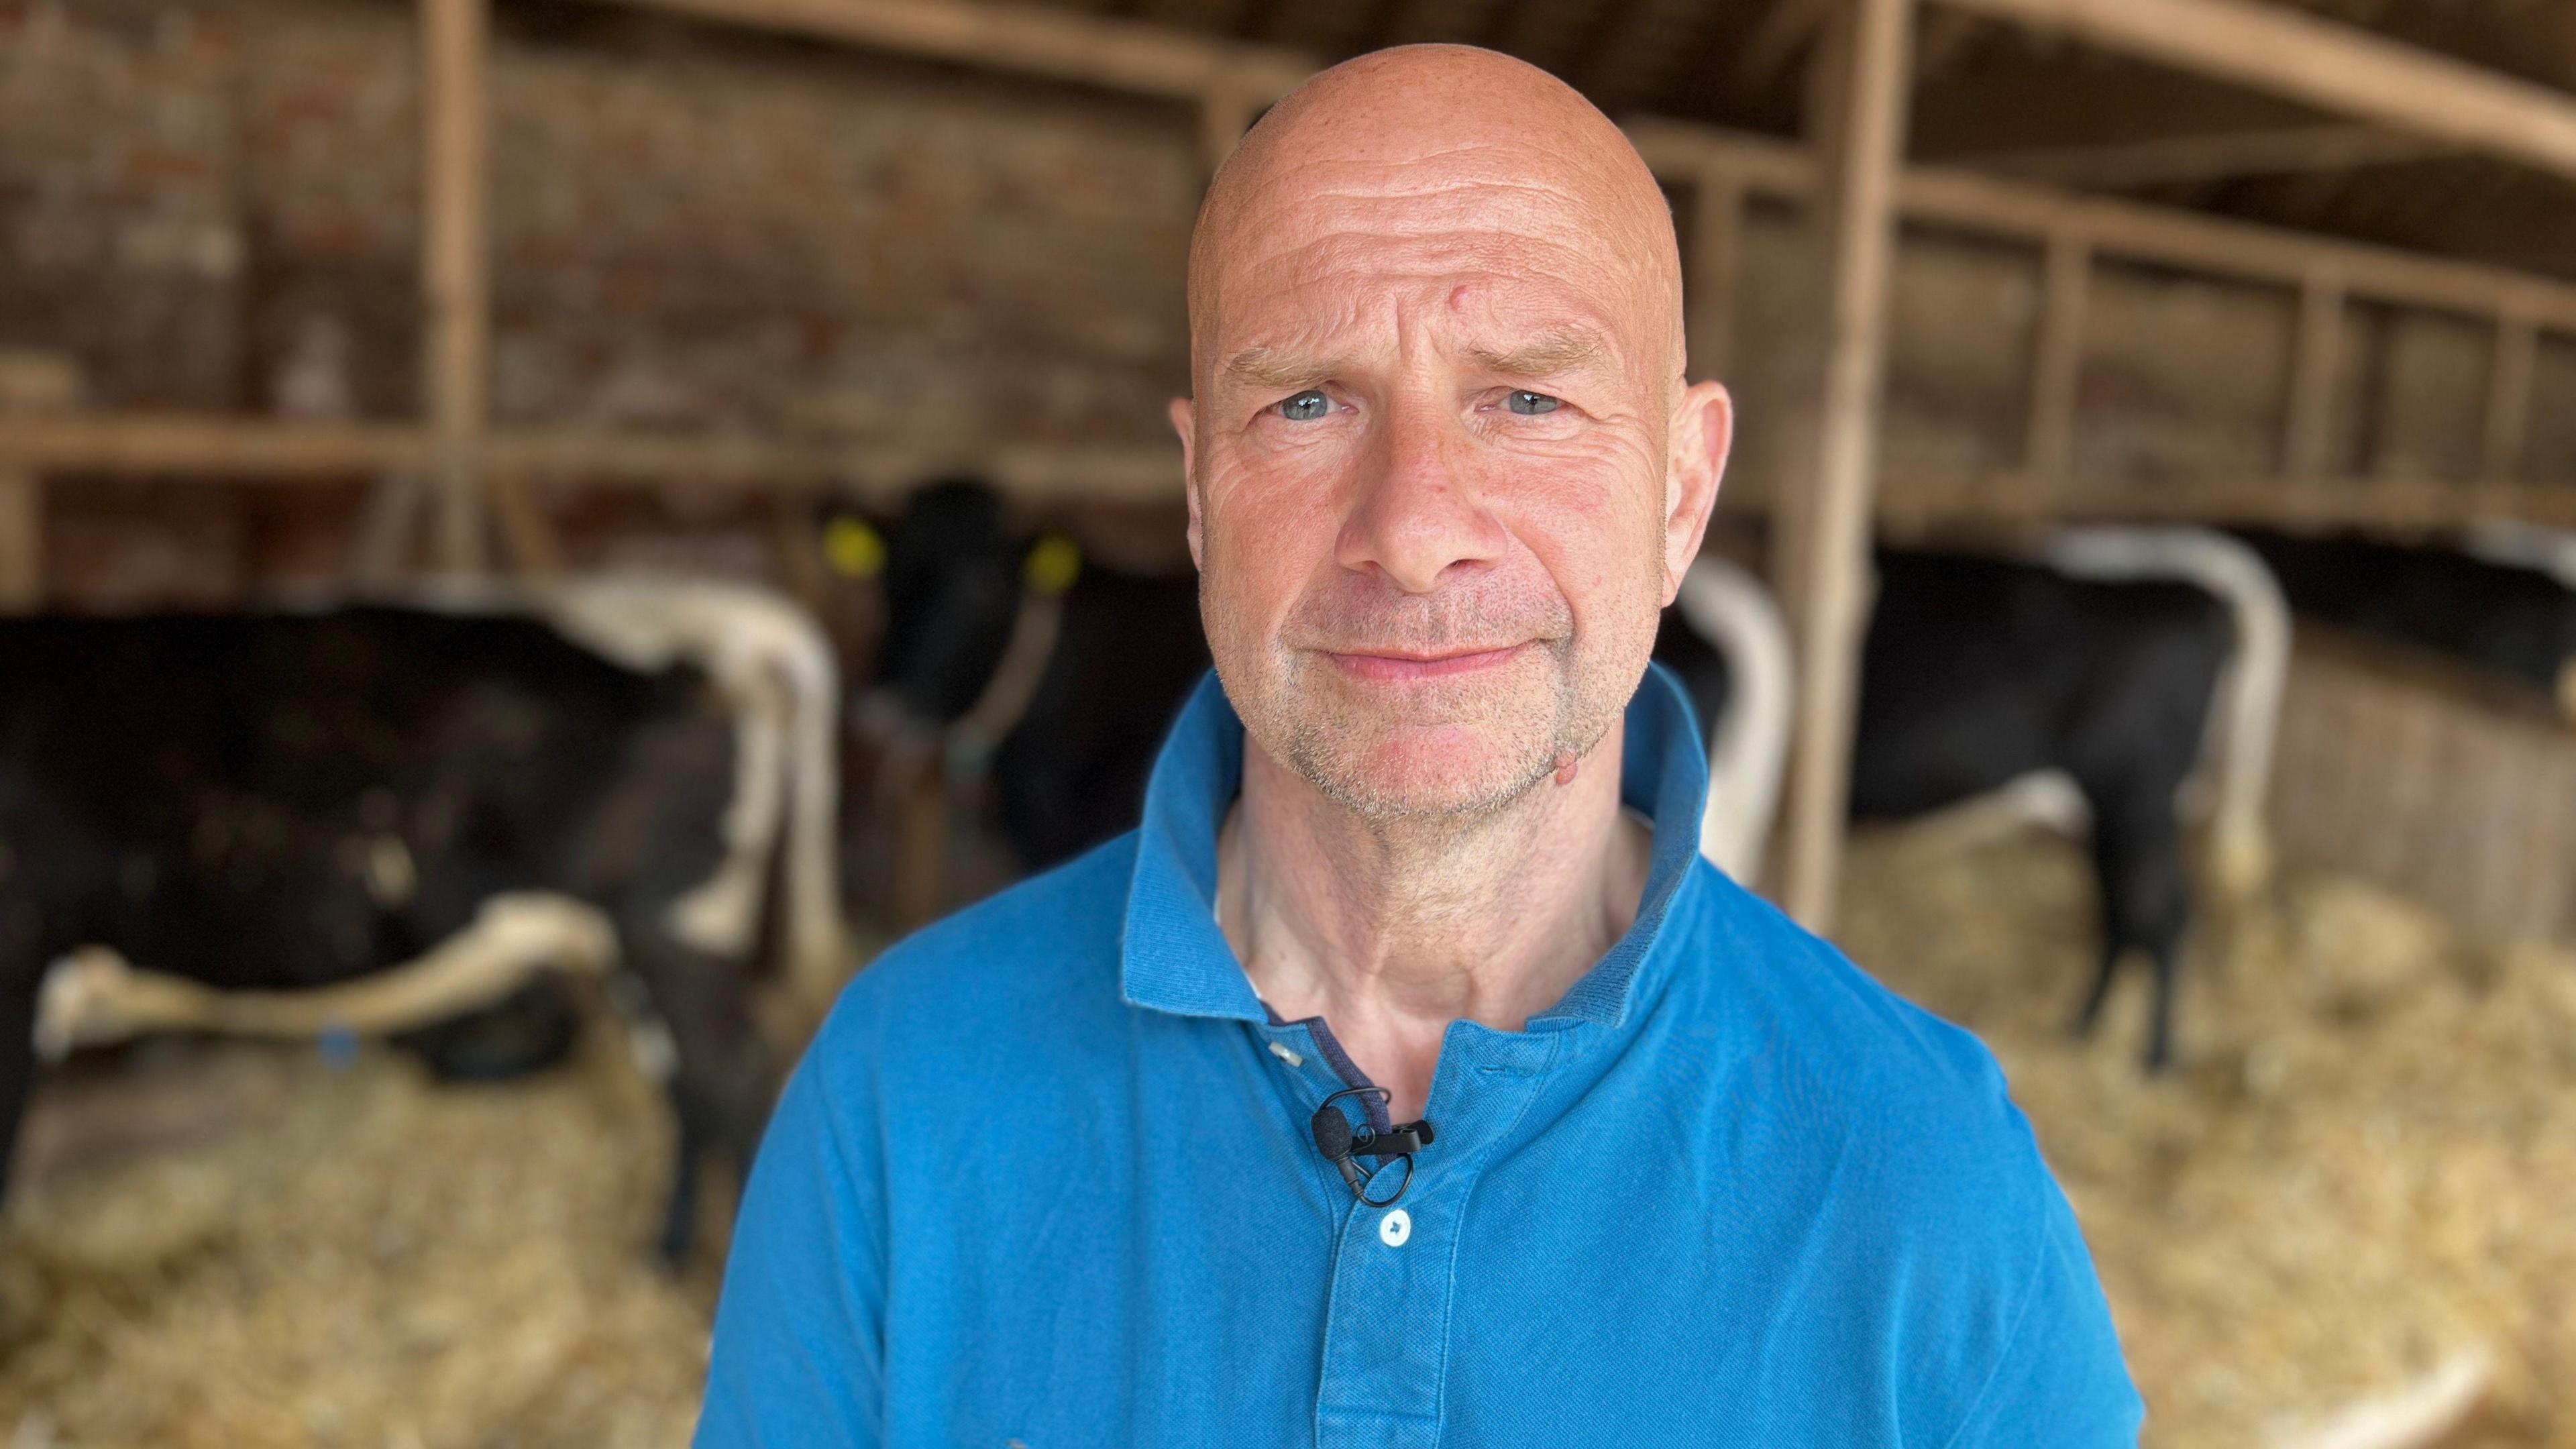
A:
(2359, 1176)
(2362, 1175)
(289, 1253)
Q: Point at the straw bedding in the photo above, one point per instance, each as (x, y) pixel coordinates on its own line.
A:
(361, 1258)
(2363, 1170)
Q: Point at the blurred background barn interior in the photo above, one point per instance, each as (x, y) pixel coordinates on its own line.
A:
(488, 310)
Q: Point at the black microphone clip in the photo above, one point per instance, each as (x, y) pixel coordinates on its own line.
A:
(1340, 1143)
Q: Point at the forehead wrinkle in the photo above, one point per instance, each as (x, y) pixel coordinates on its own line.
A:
(1510, 302)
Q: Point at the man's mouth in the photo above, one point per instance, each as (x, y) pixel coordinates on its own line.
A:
(1404, 666)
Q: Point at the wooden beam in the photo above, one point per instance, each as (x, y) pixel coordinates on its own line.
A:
(171, 444)
(1832, 612)
(32, 383)
(2307, 431)
(2171, 159)
(455, 269)
(184, 448)
(1711, 275)
(1929, 502)
(2332, 67)
(1048, 44)
(220, 451)
(2049, 451)
(2509, 397)
(22, 541)
(1993, 206)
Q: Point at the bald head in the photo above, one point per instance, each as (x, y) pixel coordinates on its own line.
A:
(1433, 139)
(1443, 469)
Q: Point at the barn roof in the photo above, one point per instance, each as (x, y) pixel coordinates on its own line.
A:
(1994, 95)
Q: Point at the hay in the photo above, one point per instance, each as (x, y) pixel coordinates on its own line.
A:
(381, 1261)
(2359, 1179)
(2362, 1176)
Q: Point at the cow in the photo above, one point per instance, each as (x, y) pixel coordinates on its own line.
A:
(2109, 662)
(269, 810)
(2507, 603)
(1056, 674)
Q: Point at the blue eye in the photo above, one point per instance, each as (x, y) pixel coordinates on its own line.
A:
(1305, 406)
(1531, 404)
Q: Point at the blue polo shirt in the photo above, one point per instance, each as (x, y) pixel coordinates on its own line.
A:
(1045, 1180)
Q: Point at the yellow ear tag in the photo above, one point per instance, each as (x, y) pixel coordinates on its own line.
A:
(854, 550)
(1053, 564)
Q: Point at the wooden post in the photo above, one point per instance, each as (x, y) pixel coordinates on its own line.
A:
(455, 269)
(2306, 433)
(1833, 580)
(384, 535)
(31, 384)
(1717, 244)
(22, 541)
(2508, 398)
(2049, 454)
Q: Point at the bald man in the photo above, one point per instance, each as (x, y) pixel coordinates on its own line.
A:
(1407, 1079)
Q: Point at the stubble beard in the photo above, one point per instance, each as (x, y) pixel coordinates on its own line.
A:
(1337, 746)
(1297, 707)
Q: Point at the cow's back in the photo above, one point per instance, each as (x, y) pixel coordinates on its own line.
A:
(1979, 670)
(282, 799)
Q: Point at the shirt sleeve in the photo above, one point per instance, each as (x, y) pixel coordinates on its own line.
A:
(2061, 1380)
(798, 1357)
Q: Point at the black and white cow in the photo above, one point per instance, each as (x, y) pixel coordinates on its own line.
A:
(357, 816)
(2094, 674)
(2507, 603)
(1057, 673)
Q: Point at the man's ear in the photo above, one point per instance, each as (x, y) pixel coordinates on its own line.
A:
(1702, 432)
(1181, 414)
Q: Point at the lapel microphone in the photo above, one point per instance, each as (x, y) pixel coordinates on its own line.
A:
(1340, 1142)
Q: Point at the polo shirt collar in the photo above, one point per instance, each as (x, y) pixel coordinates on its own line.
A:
(1174, 958)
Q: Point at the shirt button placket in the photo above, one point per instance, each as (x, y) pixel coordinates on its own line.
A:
(1386, 1334)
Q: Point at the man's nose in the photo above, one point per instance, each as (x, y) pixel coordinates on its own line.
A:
(1419, 511)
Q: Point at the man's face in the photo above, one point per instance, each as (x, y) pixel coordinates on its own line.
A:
(1434, 485)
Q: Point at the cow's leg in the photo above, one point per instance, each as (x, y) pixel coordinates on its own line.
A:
(2146, 900)
(20, 972)
(721, 1076)
(2090, 1014)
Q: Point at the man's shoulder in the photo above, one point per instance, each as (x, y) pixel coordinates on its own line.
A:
(1038, 960)
(1884, 1130)
(1925, 1097)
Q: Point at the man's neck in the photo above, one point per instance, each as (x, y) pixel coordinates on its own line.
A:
(1393, 931)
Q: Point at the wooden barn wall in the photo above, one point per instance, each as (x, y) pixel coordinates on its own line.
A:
(212, 204)
(2408, 771)
(2182, 376)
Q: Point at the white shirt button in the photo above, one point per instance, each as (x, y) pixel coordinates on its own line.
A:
(1395, 1229)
